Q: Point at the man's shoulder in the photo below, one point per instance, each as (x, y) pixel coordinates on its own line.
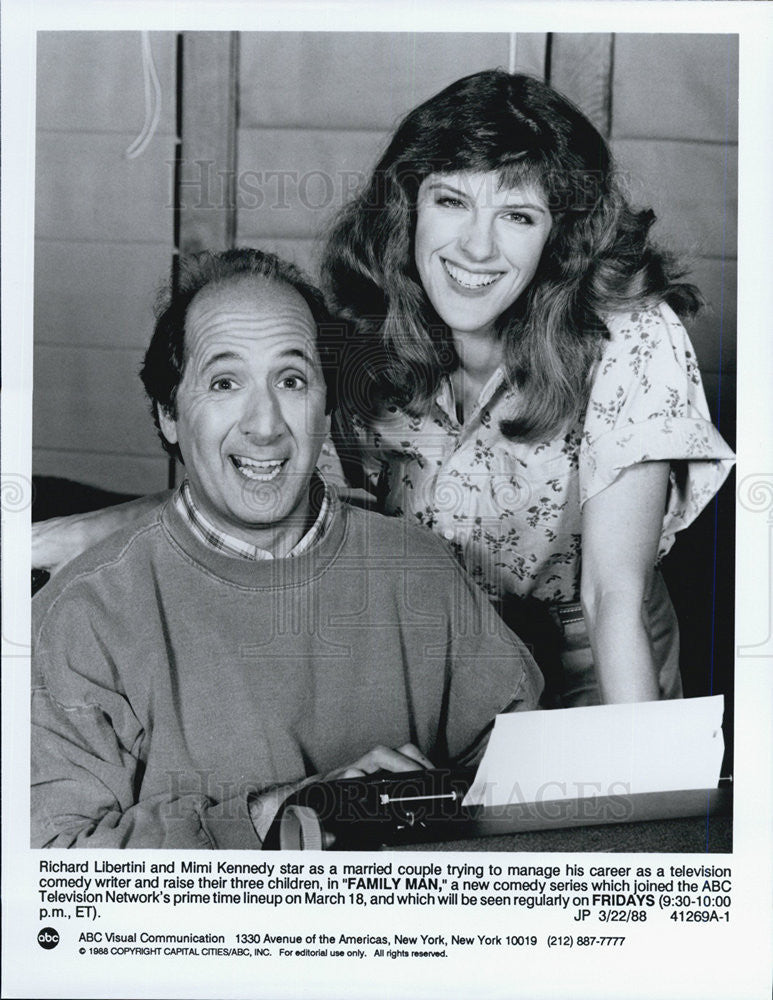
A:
(393, 534)
(116, 557)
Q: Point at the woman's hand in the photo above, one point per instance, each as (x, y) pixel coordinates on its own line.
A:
(56, 541)
(405, 758)
(621, 528)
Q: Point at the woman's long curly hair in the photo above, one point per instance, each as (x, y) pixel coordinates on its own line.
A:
(598, 258)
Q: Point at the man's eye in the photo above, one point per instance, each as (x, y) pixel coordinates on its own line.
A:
(293, 382)
(222, 384)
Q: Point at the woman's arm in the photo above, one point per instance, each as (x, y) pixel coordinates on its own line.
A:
(56, 541)
(621, 528)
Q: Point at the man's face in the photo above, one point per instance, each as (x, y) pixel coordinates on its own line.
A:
(251, 409)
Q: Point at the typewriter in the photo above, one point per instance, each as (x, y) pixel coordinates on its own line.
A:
(387, 809)
(384, 808)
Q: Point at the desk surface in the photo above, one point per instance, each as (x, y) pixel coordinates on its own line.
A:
(695, 835)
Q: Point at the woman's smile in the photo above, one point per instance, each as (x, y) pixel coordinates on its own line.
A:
(470, 280)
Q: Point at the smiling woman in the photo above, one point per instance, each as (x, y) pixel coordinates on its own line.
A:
(520, 382)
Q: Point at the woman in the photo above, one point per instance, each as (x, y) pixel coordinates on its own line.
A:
(526, 388)
(520, 382)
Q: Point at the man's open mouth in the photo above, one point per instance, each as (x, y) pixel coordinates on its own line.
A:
(260, 471)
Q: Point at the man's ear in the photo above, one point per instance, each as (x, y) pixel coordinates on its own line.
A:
(168, 425)
(320, 439)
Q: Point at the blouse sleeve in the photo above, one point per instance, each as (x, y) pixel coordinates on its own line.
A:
(329, 464)
(362, 445)
(647, 404)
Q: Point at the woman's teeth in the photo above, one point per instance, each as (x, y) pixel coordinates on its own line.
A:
(470, 279)
(262, 471)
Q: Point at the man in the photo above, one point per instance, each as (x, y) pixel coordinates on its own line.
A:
(254, 630)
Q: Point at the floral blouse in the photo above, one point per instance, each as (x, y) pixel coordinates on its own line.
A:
(512, 510)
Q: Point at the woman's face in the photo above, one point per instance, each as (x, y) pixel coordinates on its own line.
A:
(477, 246)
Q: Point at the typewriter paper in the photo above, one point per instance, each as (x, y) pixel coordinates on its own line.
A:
(656, 746)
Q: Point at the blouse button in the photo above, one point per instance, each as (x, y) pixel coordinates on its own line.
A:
(449, 533)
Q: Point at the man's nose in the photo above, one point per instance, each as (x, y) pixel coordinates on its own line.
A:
(477, 240)
(261, 416)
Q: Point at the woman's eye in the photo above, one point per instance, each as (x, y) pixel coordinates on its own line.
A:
(524, 220)
(448, 202)
(222, 384)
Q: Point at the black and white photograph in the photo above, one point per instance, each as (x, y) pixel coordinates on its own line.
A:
(390, 481)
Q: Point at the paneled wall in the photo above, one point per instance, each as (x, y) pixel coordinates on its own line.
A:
(103, 243)
(314, 111)
(674, 129)
(317, 110)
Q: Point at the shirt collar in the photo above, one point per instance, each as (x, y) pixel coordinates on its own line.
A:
(445, 395)
(230, 545)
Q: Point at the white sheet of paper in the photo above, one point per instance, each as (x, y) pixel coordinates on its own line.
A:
(654, 746)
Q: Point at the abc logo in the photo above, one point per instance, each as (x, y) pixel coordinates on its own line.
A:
(48, 938)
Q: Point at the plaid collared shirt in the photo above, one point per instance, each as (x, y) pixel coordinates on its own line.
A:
(232, 546)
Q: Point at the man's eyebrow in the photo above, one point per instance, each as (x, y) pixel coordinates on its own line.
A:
(290, 352)
(297, 352)
(220, 356)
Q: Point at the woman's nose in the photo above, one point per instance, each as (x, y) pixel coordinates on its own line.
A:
(261, 416)
(477, 240)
